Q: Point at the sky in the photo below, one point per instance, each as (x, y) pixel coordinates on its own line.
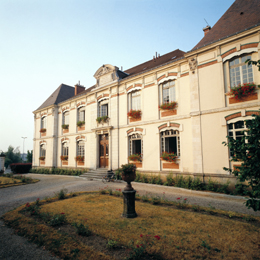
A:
(46, 43)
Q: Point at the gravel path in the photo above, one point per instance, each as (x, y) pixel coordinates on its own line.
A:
(16, 247)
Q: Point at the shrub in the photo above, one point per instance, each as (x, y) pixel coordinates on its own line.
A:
(61, 194)
(169, 179)
(80, 123)
(57, 220)
(82, 230)
(20, 167)
(118, 173)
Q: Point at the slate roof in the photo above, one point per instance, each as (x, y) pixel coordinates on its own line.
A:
(63, 92)
(151, 64)
(241, 15)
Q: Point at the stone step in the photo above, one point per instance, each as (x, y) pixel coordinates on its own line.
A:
(97, 174)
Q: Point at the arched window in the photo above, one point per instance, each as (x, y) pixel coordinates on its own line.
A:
(65, 149)
(43, 122)
(103, 108)
(135, 100)
(135, 144)
(236, 71)
(81, 114)
(80, 148)
(170, 142)
(42, 151)
(65, 119)
(168, 92)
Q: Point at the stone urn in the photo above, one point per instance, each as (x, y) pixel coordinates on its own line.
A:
(128, 175)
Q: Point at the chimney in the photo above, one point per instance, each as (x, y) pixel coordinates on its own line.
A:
(79, 88)
(206, 29)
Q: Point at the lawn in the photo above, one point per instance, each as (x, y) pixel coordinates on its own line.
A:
(90, 226)
(10, 180)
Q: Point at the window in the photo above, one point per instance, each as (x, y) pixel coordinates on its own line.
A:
(168, 92)
(43, 122)
(103, 108)
(236, 130)
(65, 149)
(81, 114)
(42, 150)
(80, 148)
(135, 101)
(236, 71)
(170, 142)
(65, 118)
(135, 144)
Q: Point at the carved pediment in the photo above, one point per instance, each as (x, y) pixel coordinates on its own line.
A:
(106, 74)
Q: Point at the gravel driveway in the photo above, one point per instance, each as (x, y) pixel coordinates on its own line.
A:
(15, 247)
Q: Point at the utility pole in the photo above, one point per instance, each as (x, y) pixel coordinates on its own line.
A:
(23, 147)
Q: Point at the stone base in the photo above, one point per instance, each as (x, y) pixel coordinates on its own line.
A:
(129, 204)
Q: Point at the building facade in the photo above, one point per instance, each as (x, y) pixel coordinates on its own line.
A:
(125, 113)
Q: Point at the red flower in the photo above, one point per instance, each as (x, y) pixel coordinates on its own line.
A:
(137, 246)
(157, 237)
(178, 198)
(119, 189)
(185, 199)
(62, 213)
(38, 199)
(141, 235)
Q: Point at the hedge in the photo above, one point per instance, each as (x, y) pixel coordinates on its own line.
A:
(20, 167)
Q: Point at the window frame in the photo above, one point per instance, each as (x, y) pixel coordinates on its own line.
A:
(81, 110)
(103, 104)
(134, 137)
(227, 70)
(65, 149)
(44, 122)
(135, 95)
(65, 118)
(43, 150)
(80, 148)
(164, 88)
(170, 133)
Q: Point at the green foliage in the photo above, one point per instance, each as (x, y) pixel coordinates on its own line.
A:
(247, 150)
(57, 220)
(80, 123)
(12, 156)
(82, 230)
(102, 119)
(128, 168)
(61, 194)
(118, 173)
(112, 244)
(65, 126)
(29, 156)
(256, 63)
(58, 171)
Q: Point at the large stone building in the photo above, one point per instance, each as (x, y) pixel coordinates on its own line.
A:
(95, 126)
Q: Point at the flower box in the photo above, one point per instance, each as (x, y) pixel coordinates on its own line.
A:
(81, 128)
(134, 115)
(42, 162)
(64, 163)
(65, 131)
(43, 134)
(136, 163)
(81, 125)
(102, 119)
(168, 112)
(249, 97)
(169, 165)
(242, 92)
(79, 163)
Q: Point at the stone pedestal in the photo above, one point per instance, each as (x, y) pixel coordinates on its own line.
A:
(129, 204)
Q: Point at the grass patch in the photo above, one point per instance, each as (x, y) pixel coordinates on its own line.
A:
(165, 231)
(10, 180)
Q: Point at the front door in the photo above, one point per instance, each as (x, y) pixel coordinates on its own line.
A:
(103, 151)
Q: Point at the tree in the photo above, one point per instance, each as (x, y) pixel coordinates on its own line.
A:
(29, 156)
(12, 156)
(247, 150)
(256, 63)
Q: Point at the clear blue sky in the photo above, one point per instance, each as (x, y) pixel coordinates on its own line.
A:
(46, 43)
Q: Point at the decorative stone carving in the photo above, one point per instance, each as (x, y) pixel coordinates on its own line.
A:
(193, 64)
(104, 70)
